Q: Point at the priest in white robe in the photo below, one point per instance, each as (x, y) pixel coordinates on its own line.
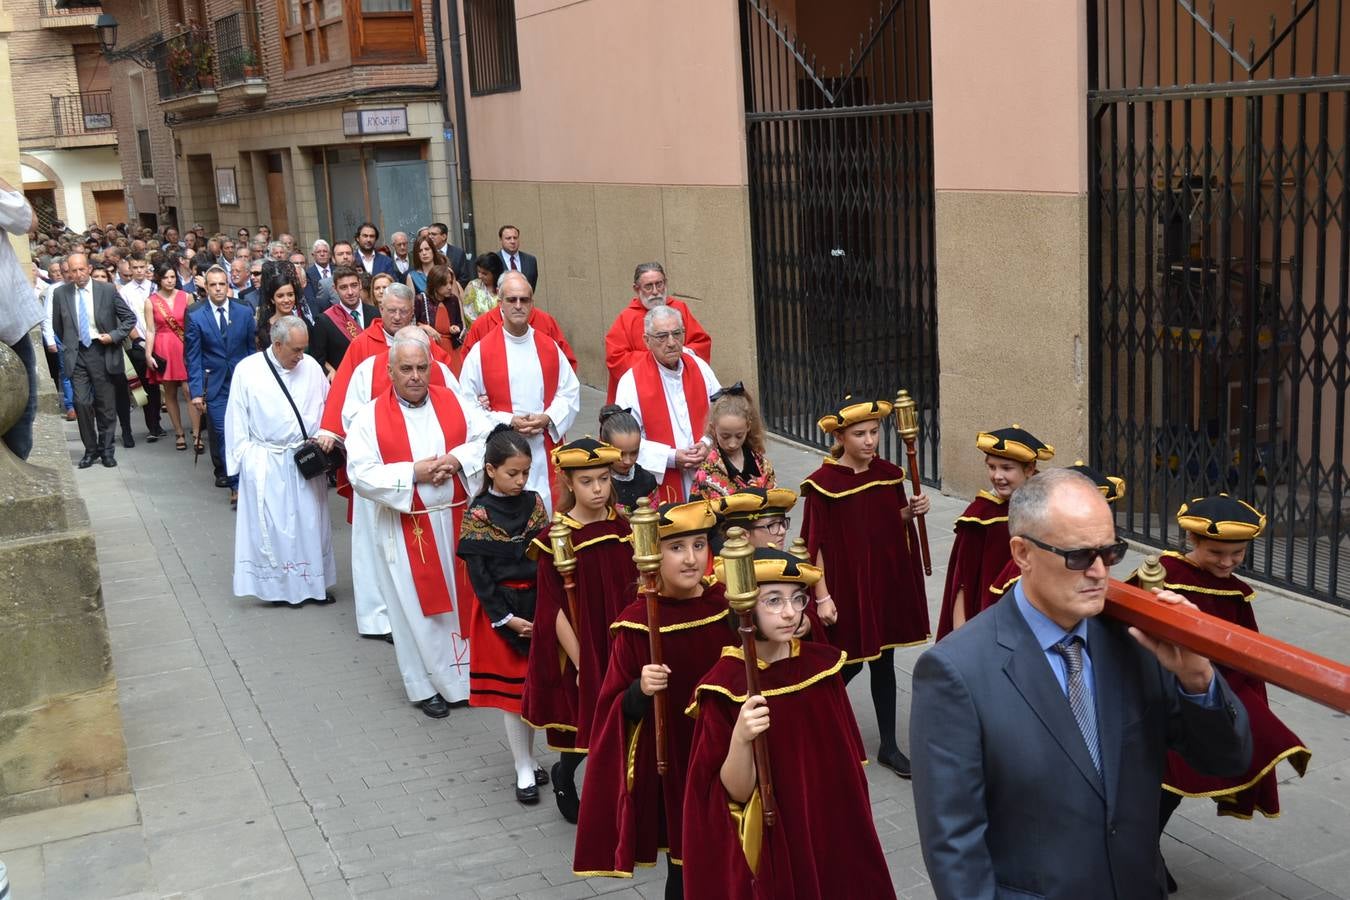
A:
(415, 453)
(668, 391)
(283, 551)
(369, 378)
(525, 380)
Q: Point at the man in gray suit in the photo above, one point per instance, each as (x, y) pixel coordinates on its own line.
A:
(1039, 730)
(92, 323)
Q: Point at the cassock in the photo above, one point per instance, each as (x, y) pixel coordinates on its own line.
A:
(1257, 789)
(631, 812)
(283, 552)
(823, 843)
(979, 555)
(539, 320)
(414, 529)
(624, 344)
(671, 405)
(853, 521)
(525, 375)
(370, 378)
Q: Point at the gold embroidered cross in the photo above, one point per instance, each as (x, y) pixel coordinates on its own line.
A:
(417, 536)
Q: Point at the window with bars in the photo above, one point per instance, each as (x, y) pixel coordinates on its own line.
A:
(490, 32)
(143, 149)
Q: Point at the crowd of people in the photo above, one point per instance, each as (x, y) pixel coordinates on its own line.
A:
(494, 550)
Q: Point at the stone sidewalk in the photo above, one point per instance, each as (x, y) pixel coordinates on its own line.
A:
(274, 754)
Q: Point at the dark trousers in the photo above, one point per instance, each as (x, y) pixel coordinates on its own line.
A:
(19, 437)
(95, 400)
(215, 414)
(123, 392)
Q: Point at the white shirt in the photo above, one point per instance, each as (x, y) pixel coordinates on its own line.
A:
(134, 294)
(368, 262)
(20, 309)
(507, 258)
(215, 315)
(48, 334)
(654, 456)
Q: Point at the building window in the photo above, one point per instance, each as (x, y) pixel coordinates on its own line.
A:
(490, 32)
(143, 148)
(307, 28)
(386, 6)
(386, 31)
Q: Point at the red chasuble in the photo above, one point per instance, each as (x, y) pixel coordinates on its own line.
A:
(424, 557)
(539, 320)
(604, 578)
(656, 424)
(1257, 789)
(978, 555)
(823, 844)
(624, 346)
(852, 519)
(630, 812)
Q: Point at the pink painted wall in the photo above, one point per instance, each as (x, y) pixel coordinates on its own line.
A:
(1009, 95)
(617, 92)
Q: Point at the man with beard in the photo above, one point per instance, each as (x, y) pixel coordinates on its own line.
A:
(625, 344)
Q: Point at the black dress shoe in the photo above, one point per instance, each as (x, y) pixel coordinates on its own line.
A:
(127, 440)
(894, 760)
(108, 460)
(222, 481)
(528, 795)
(1171, 882)
(88, 460)
(540, 776)
(435, 707)
(569, 804)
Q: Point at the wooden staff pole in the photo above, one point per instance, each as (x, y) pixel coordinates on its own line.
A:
(647, 557)
(565, 561)
(738, 558)
(907, 424)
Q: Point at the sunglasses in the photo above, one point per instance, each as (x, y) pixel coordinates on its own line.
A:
(1082, 558)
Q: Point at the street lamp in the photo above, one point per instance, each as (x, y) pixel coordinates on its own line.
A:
(106, 26)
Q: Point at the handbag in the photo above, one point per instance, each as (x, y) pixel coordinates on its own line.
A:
(310, 458)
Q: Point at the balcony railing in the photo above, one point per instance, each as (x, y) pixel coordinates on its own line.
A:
(238, 52)
(184, 64)
(88, 112)
(68, 13)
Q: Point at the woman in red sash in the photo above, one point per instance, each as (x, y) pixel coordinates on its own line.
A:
(165, 314)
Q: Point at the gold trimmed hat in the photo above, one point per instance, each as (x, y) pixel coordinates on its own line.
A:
(1111, 486)
(1015, 443)
(676, 519)
(774, 566)
(854, 411)
(749, 504)
(1221, 518)
(585, 453)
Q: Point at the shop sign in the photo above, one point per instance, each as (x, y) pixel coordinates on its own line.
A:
(393, 120)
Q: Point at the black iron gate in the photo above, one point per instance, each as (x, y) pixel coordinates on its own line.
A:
(1220, 260)
(841, 205)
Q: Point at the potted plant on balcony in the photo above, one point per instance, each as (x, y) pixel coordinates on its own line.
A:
(206, 60)
(182, 64)
(248, 63)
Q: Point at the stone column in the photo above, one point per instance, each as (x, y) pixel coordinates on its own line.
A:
(1010, 154)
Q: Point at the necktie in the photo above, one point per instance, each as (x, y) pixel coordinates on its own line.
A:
(1071, 648)
(83, 317)
(513, 263)
(220, 314)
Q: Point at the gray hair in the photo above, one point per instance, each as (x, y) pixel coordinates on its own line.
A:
(320, 243)
(646, 267)
(1029, 509)
(282, 328)
(275, 245)
(399, 290)
(412, 336)
(661, 312)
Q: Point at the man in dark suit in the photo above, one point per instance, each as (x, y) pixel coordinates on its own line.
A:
(514, 258)
(1040, 730)
(367, 257)
(92, 323)
(321, 269)
(219, 333)
(458, 259)
(338, 325)
(308, 307)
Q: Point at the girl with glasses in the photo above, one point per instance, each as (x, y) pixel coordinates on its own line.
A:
(737, 458)
(823, 842)
(980, 551)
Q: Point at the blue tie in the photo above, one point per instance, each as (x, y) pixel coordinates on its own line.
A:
(1071, 649)
(83, 317)
(220, 312)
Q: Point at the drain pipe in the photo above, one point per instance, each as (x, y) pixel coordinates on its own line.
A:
(464, 174)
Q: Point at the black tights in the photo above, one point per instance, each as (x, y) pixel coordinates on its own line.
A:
(567, 769)
(674, 880)
(1167, 804)
(882, 678)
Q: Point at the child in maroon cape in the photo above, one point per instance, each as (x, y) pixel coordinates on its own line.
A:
(981, 549)
(631, 812)
(859, 529)
(823, 843)
(568, 657)
(1112, 488)
(1220, 529)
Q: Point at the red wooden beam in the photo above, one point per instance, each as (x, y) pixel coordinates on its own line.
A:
(1275, 662)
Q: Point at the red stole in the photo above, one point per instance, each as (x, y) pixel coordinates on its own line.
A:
(497, 379)
(656, 417)
(379, 376)
(343, 319)
(424, 557)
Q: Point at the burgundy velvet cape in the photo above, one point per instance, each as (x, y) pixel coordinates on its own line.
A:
(824, 843)
(1256, 790)
(853, 520)
(626, 819)
(1002, 585)
(604, 576)
(978, 555)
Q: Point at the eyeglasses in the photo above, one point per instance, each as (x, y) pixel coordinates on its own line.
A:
(774, 526)
(662, 336)
(518, 300)
(1082, 558)
(776, 603)
(652, 287)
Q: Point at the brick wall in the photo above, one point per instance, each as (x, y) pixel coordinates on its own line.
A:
(42, 63)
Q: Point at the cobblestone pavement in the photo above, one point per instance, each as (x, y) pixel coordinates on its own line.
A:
(274, 753)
